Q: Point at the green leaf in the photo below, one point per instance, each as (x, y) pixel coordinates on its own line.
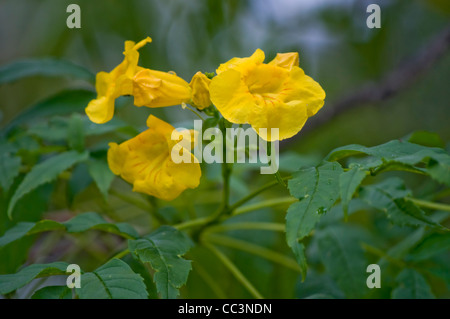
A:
(9, 169)
(317, 188)
(87, 221)
(299, 252)
(400, 155)
(343, 257)
(425, 138)
(45, 172)
(411, 285)
(65, 102)
(163, 249)
(75, 133)
(101, 174)
(53, 292)
(9, 283)
(348, 184)
(113, 280)
(43, 67)
(77, 224)
(388, 197)
(432, 245)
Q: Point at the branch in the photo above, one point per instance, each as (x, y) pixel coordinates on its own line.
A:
(391, 84)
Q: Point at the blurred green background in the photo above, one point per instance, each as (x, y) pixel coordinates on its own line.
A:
(336, 49)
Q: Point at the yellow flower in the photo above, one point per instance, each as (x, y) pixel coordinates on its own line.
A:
(118, 82)
(200, 90)
(157, 89)
(145, 161)
(274, 95)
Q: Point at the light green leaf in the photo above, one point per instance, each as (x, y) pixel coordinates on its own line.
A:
(101, 174)
(411, 285)
(388, 197)
(53, 292)
(9, 283)
(43, 67)
(163, 249)
(45, 172)
(78, 224)
(318, 189)
(343, 257)
(113, 280)
(348, 184)
(9, 169)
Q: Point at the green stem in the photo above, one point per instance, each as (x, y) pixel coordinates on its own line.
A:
(194, 111)
(121, 254)
(381, 254)
(235, 271)
(254, 249)
(248, 225)
(427, 204)
(256, 193)
(192, 223)
(264, 204)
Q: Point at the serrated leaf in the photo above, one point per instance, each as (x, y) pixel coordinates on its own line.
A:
(348, 184)
(401, 155)
(163, 249)
(9, 283)
(65, 102)
(9, 169)
(78, 224)
(411, 285)
(299, 253)
(87, 221)
(113, 280)
(389, 197)
(53, 292)
(343, 258)
(101, 174)
(43, 67)
(45, 172)
(432, 245)
(75, 133)
(318, 189)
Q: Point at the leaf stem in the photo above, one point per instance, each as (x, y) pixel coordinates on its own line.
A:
(194, 111)
(255, 250)
(235, 271)
(264, 204)
(427, 204)
(248, 225)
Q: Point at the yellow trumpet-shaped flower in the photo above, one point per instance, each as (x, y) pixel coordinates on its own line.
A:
(274, 95)
(118, 82)
(200, 90)
(145, 161)
(157, 89)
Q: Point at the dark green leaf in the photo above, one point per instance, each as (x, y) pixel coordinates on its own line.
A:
(65, 102)
(113, 280)
(9, 283)
(9, 169)
(344, 259)
(45, 172)
(75, 133)
(43, 67)
(80, 223)
(53, 292)
(389, 197)
(317, 188)
(348, 184)
(163, 249)
(299, 252)
(101, 174)
(430, 246)
(411, 285)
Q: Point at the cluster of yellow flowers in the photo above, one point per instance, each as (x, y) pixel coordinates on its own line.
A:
(245, 91)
